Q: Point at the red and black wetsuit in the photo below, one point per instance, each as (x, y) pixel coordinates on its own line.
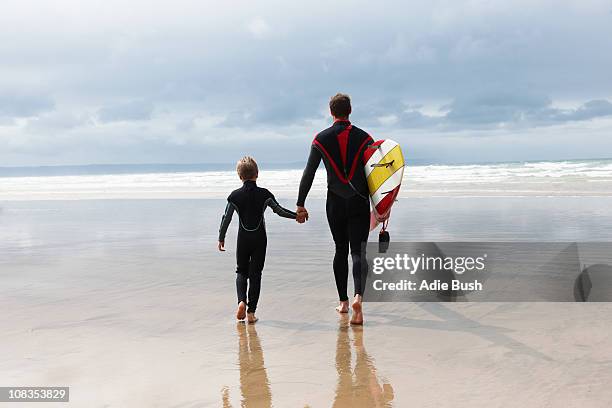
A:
(341, 148)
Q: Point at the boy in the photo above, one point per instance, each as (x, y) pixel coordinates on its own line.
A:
(250, 202)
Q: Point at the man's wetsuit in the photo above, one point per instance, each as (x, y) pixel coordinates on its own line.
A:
(341, 147)
(250, 201)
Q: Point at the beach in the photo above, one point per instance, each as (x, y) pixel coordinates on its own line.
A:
(129, 303)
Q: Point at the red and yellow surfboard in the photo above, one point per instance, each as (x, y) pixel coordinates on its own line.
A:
(384, 170)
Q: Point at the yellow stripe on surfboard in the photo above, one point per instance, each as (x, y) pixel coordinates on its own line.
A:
(379, 175)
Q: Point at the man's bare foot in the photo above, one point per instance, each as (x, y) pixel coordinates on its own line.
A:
(342, 307)
(241, 312)
(357, 318)
(251, 318)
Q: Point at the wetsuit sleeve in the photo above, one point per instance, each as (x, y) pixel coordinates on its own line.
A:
(225, 220)
(369, 142)
(279, 209)
(314, 159)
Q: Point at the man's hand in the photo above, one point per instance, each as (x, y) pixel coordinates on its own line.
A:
(221, 246)
(302, 215)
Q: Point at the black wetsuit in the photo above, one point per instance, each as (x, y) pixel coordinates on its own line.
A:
(341, 147)
(250, 201)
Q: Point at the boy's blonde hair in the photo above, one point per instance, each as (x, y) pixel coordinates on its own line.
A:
(247, 168)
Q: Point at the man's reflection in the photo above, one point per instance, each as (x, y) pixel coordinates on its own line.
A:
(254, 383)
(359, 387)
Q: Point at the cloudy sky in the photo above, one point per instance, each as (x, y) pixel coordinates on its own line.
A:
(195, 81)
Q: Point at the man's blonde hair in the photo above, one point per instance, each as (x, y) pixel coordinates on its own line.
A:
(247, 168)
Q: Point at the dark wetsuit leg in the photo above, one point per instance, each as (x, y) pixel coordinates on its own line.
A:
(258, 257)
(250, 256)
(243, 257)
(349, 222)
(338, 225)
(359, 229)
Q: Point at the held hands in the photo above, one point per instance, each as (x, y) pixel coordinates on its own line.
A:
(221, 246)
(302, 215)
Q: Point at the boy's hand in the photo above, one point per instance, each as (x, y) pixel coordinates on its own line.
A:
(302, 215)
(221, 246)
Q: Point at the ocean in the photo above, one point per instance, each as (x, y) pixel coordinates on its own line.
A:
(545, 178)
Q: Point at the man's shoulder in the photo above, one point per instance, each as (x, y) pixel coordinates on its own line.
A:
(325, 133)
(359, 131)
(357, 128)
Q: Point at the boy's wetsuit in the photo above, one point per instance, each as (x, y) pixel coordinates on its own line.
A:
(341, 147)
(250, 201)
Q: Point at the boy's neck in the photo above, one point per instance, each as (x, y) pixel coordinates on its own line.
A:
(253, 180)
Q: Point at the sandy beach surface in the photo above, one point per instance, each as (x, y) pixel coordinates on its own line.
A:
(129, 303)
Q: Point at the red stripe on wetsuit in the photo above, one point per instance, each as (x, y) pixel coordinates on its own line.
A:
(343, 144)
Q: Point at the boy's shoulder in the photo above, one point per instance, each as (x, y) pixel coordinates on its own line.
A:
(265, 191)
(233, 194)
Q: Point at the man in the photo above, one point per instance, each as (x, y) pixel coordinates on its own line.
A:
(341, 148)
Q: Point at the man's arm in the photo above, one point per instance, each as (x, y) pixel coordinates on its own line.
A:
(225, 221)
(314, 159)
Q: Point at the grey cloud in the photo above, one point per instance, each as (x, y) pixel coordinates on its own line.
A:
(520, 110)
(283, 110)
(590, 110)
(494, 108)
(23, 104)
(126, 111)
(57, 120)
(489, 110)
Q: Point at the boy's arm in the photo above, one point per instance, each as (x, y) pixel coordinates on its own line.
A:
(279, 209)
(225, 221)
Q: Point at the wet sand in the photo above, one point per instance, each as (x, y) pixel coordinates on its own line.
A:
(129, 304)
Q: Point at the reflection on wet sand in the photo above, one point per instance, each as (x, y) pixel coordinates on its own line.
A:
(254, 383)
(359, 387)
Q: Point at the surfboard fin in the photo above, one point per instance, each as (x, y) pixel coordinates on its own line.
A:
(383, 241)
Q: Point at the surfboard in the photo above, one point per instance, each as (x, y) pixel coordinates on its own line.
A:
(384, 170)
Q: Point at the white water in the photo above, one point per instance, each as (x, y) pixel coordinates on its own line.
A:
(568, 178)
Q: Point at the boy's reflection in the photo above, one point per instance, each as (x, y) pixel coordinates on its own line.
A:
(358, 387)
(254, 383)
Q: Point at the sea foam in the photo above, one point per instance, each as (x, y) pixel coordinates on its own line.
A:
(568, 178)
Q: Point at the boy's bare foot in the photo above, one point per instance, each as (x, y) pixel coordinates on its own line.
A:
(357, 318)
(241, 312)
(342, 307)
(251, 318)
